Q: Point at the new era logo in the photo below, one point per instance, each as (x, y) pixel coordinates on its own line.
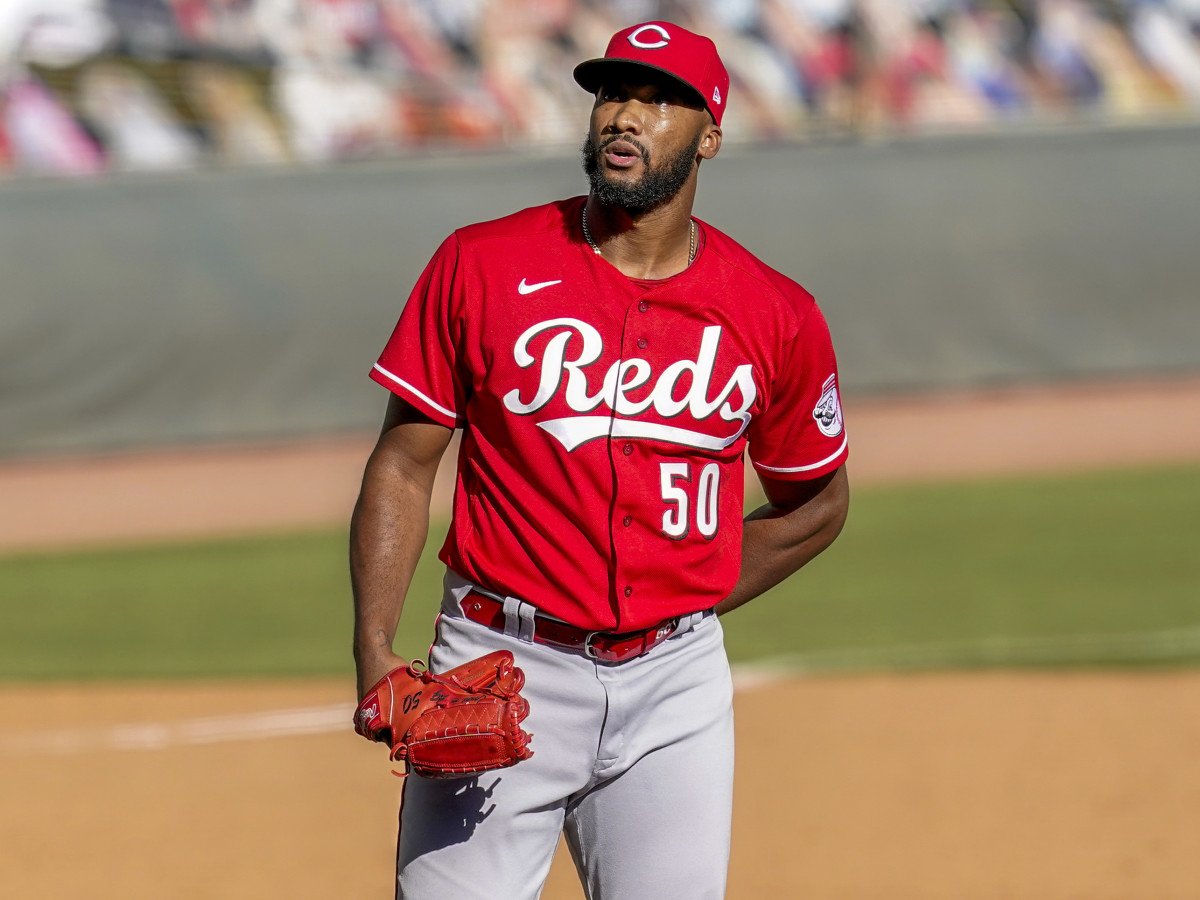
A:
(716, 95)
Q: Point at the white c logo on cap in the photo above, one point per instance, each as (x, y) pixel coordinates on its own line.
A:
(662, 32)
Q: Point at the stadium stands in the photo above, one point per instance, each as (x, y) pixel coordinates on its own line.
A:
(93, 86)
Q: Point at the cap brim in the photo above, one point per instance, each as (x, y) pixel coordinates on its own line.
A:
(590, 75)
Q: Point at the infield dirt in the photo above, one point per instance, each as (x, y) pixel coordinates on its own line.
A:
(965, 786)
(919, 787)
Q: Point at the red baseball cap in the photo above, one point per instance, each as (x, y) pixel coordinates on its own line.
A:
(689, 58)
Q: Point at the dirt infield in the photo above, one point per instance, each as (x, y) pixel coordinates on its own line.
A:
(963, 786)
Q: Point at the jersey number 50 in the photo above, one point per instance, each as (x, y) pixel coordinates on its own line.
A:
(676, 522)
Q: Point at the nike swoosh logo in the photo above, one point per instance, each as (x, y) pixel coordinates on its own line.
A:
(524, 288)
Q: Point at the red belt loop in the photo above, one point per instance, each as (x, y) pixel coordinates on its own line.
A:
(605, 646)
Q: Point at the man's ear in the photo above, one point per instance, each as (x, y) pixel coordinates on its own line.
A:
(710, 144)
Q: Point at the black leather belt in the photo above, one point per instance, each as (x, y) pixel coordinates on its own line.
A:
(606, 646)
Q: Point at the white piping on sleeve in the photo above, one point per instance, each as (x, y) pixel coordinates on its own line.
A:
(408, 387)
(830, 458)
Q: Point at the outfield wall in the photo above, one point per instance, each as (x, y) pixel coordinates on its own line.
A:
(236, 306)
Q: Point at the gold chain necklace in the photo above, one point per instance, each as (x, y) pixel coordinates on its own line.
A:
(587, 234)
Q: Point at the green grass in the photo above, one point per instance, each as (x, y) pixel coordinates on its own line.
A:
(278, 605)
(1007, 572)
(1036, 570)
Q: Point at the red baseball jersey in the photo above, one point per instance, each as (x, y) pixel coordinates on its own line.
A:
(605, 418)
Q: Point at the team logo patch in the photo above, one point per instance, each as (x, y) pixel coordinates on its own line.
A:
(636, 38)
(828, 411)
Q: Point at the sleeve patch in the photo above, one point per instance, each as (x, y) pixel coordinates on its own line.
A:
(828, 411)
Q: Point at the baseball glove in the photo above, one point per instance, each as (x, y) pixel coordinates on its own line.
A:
(464, 721)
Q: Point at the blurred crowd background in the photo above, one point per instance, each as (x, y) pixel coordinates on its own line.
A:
(94, 86)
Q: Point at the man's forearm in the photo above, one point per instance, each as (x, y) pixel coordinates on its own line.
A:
(779, 540)
(387, 534)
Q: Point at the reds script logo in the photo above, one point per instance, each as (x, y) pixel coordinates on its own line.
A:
(621, 380)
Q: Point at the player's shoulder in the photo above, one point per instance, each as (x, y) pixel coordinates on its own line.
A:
(548, 219)
(738, 265)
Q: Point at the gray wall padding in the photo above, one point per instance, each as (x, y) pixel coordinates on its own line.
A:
(250, 305)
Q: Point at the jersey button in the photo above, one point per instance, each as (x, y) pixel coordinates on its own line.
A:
(628, 591)
(627, 521)
(641, 343)
(643, 306)
(627, 449)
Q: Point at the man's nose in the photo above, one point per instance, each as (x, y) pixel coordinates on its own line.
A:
(624, 118)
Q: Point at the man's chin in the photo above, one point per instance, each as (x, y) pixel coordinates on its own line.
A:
(621, 179)
(619, 190)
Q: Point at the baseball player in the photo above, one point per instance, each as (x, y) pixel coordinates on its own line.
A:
(609, 360)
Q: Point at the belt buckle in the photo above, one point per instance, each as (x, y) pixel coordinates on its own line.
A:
(588, 650)
(628, 648)
(604, 654)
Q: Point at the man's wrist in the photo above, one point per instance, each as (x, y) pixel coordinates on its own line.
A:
(372, 662)
(371, 643)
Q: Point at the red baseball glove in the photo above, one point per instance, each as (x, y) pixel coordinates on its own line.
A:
(464, 721)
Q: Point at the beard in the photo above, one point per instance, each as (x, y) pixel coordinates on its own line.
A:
(656, 186)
